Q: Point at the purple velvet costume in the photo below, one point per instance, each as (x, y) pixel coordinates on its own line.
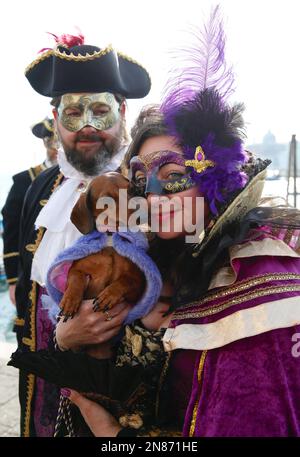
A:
(240, 343)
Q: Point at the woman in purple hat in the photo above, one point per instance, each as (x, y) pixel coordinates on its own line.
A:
(230, 301)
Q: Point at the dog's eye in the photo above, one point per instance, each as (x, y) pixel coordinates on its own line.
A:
(140, 181)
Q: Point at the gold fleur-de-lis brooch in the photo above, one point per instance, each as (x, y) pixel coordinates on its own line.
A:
(199, 163)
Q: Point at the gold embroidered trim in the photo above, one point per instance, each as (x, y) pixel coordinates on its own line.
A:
(42, 168)
(288, 236)
(12, 280)
(129, 59)
(19, 322)
(47, 125)
(240, 286)
(161, 380)
(27, 341)
(80, 58)
(31, 342)
(43, 202)
(10, 254)
(33, 247)
(63, 55)
(57, 182)
(31, 174)
(199, 376)
(30, 247)
(29, 396)
(236, 301)
(41, 57)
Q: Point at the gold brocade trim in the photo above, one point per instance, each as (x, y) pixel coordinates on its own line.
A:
(161, 380)
(19, 322)
(31, 174)
(47, 125)
(236, 301)
(12, 280)
(275, 231)
(41, 57)
(288, 236)
(199, 377)
(33, 247)
(27, 341)
(32, 298)
(63, 55)
(31, 342)
(57, 182)
(80, 58)
(239, 287)
(43, 202)
(10, 254)
(29, 396)
(129, 59)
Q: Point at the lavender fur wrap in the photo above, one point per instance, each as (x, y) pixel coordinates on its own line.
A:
(128, 244)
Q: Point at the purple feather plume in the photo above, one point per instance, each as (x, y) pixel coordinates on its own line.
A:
(203, 66)
(219, 182)
(197, 114)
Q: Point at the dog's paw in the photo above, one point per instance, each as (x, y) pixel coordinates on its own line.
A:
(69, 307)
(106, 300)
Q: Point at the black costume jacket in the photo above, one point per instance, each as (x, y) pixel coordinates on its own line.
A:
(11, 213)
(27, 290)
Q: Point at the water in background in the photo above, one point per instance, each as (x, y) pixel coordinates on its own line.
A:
(7, 310)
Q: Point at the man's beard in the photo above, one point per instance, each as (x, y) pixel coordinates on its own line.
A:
(92, 165)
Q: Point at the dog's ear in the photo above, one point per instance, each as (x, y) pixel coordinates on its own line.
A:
(82, 216)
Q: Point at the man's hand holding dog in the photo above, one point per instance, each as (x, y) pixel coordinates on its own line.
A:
(89, 327)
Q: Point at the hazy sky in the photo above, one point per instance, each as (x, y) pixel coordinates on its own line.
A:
(263, 44)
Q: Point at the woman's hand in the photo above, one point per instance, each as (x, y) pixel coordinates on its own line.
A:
(101, 422)
(89, 327)
(156, 319)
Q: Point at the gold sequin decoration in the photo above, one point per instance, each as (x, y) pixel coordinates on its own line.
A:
(236, 301)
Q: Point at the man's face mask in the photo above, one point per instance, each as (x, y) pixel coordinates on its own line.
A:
(161, 173)
(76, 111)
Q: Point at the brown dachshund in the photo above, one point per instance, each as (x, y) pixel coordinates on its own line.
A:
(105, 276)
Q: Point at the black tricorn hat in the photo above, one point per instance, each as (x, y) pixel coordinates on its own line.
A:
(87, 68)
(43, 129)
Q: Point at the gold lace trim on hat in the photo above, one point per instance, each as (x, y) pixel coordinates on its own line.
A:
(81, 58)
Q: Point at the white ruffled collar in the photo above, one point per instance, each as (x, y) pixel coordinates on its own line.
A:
(55, 215)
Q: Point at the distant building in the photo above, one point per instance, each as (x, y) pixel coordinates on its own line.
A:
(277, 152)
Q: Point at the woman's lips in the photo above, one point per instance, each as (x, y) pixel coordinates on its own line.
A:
(164, 215)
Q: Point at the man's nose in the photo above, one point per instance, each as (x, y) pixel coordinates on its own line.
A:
(89, 129)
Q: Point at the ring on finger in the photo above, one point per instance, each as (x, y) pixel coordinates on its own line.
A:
(108, 317)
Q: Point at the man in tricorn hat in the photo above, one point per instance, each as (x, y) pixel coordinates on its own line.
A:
(13, 206)
(88, 87)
